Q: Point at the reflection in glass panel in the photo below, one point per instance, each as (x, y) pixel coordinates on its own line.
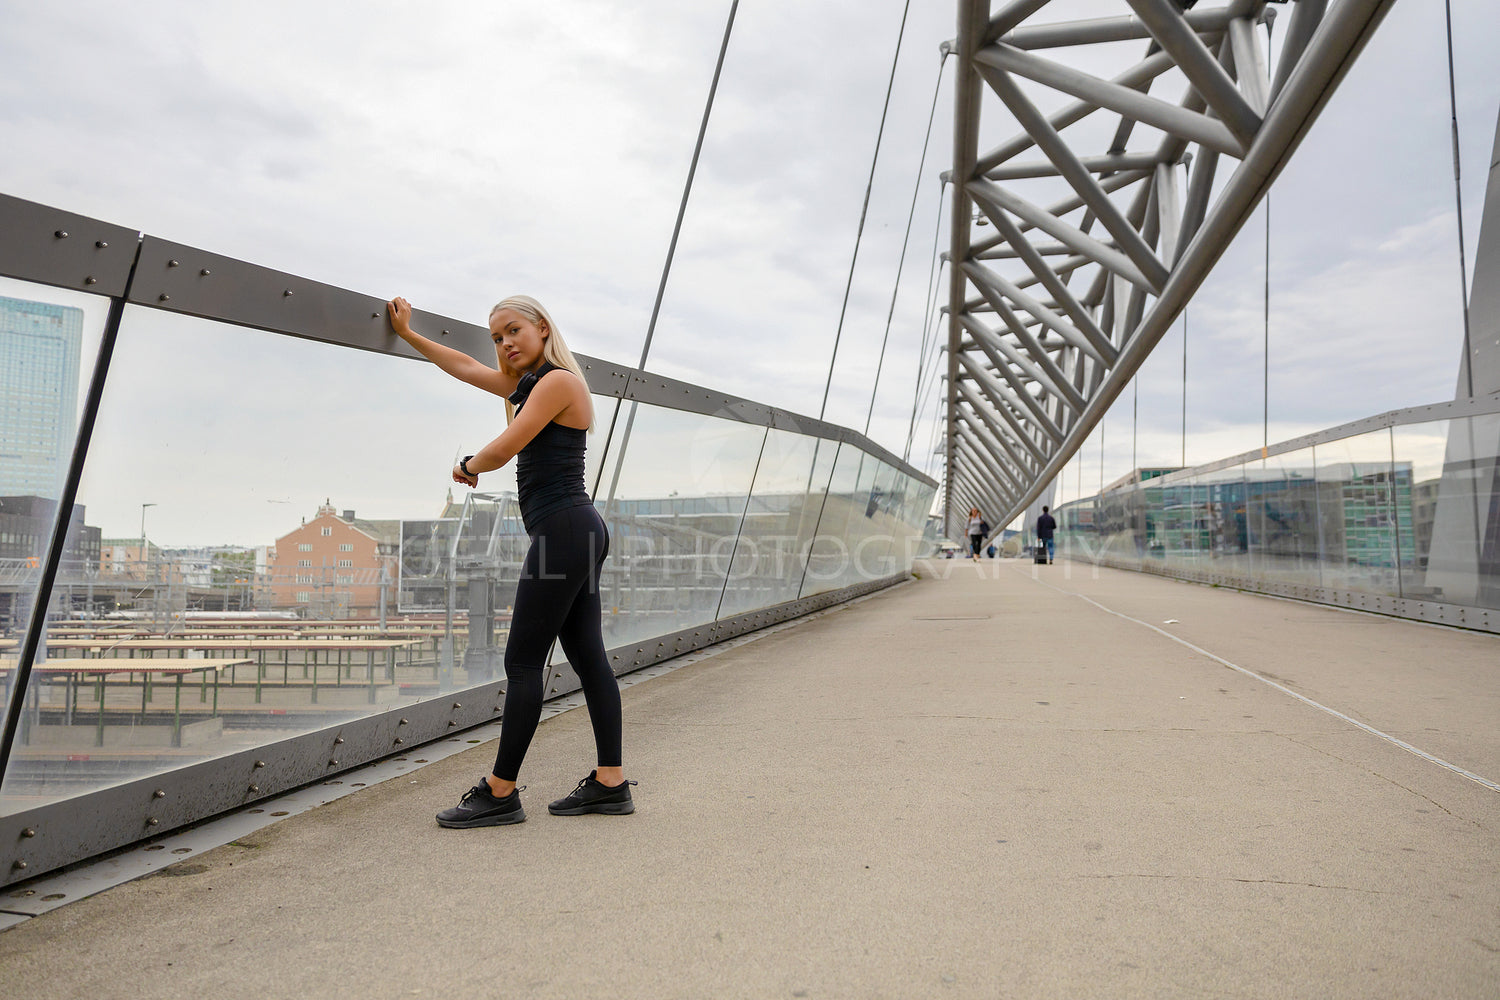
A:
(281, 549)
(1454, 510)
(783, 512)
(673, 512)
(49, 340)
(1282, 516)
(829, 558)
(1359, 493)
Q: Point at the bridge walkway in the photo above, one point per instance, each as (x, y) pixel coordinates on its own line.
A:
(999, 780)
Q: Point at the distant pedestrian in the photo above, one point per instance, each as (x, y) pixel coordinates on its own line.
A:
(990, 552)
(1046, 525)
(557, 595)
(978, 528)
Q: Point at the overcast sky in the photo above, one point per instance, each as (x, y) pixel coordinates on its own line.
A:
(456, 153)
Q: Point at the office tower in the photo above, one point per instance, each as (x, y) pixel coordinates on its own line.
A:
(40, 344)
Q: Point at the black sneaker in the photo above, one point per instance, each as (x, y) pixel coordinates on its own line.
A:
(480, 807)
(592, 797)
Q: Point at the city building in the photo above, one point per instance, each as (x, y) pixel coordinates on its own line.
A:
(26, 527)
(40, 344)
(335, 566)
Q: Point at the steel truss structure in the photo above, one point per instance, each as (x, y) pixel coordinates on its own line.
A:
(1096, 249)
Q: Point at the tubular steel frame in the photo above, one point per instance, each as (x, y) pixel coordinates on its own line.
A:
(47, 246)
(1049, 319)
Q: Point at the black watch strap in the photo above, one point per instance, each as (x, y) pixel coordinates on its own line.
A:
(463, 464)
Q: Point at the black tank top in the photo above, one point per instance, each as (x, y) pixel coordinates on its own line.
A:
(549, 470)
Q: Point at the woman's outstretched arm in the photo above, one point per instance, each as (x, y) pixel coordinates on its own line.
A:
(454, 362)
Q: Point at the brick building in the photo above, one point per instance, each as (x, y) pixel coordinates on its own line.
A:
(331, 566)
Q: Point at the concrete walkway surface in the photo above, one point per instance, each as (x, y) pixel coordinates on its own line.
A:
(984, 783)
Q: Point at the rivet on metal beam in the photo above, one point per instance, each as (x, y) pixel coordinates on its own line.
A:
(90, 280)
(173, 263)
(205, 272)
(19, 865)
(163, 297)
(152, 821)
(159, 794)
(60, 234)
(254, 789)
(399, 741)
(260, 763)
(451, 723)
(445, 333)
(337, 740)
(28, 832)
(100, 244)
(333, 763)
(287, 294)
(403, 722)
(458, 704)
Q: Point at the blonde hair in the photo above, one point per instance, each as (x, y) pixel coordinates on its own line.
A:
(555, 349)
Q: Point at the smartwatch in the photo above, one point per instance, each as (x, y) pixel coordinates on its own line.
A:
(463, 465)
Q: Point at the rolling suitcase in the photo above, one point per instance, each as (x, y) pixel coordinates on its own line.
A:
(1039, 554)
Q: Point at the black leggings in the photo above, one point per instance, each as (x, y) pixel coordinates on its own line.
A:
(558, 598)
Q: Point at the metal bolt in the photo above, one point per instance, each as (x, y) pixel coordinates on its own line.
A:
(260, 763)
(28, 832)
(163, 297)
(457, 705)
(399, 741)
(333, 763)
(374, 315)
(152, 821)
(337, 740)
(445, 333)
(287, 294)
(158, 794)
(403, 722)
(254, 788)
(174, 263)
(60, 234)
(19, 865)
(451, 723)
(90, 280)
(204, 273)
(100, 244)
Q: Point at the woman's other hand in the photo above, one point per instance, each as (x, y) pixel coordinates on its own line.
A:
(459, 477)
(399, 311)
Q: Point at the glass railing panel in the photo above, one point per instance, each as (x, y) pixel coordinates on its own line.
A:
(874, 557)
(673, 512)
(1453, 555)
(1282, 519)
(790, 484)
(1222, 517)
(911, 520)
(49, 340)
(829, 557)
(859, 528)
(1120, 534)
(257, 499)
(1358, 491)
(1177, 533)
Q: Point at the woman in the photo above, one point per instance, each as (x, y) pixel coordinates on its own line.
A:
(551, 412)
(977, 530)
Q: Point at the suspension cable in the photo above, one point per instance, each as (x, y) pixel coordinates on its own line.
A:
(906, 239)
(928, 315)
(1458, 198)
(713, 87)
(864, 210)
